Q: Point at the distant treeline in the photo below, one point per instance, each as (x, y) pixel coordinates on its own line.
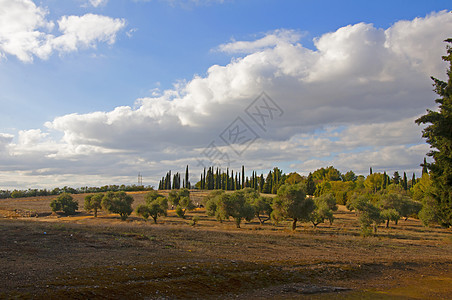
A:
(217, 179)
(57, 191)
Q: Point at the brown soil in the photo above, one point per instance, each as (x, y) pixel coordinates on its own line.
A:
(52, 256)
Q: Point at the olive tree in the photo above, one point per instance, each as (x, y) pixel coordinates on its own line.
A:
(325, 205)
(93, 202)
(118, 203)
(223, 206)
(291, 202)
(368, 214)
(154, 207)
(64, 202)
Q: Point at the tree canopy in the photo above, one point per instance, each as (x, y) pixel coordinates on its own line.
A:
(439, 135)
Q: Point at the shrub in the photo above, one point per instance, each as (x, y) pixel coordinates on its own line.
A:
(94, 202)
(65, 203)
(118, 203)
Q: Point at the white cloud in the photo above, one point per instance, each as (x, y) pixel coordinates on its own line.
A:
(25, 32)
(86, 31)
(271, 39)
(350, 103)
(97, 3)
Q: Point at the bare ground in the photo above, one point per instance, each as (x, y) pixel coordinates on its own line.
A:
(85, 257)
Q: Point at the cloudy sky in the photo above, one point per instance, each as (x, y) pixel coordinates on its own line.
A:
(93, 92)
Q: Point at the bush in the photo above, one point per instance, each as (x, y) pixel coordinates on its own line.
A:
(94, 202)
(118, 203)
(64, 203)
(155, 208)
(194, 221)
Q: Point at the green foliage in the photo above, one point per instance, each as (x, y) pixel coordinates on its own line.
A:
(185, 204)
(342, 191)
(349, 176)
(322, 188)
(294, 178)
(65, 203)
(234, 205)
(429, 212)
(158, 208)
(118, 203)
(369, 214)
(262, 208)
(153, 208)
(390, 214)
(329, 174)
(181, 200)
(151, 196)
(291, 202)
(439, 135)
(194, 221)
(310, 185)
(173, 198)
(397, 199)
(143, 211)
(93, 202)
(374, 182)
(324, 207)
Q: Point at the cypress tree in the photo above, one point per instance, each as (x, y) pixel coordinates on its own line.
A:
(243, 176)
(424, 167)
(187, 182)
(439, 135)
(310, 185)
(405, 181)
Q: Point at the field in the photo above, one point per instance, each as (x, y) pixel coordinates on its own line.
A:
(51, 256)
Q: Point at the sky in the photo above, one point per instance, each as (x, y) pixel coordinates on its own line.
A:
(93, 92)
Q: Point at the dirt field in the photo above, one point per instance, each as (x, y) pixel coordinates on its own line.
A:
(80, 257)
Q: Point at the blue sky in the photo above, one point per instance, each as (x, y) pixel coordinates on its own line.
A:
(163, 51)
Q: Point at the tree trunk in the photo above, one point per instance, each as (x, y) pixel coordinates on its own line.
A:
(387, 223)
(155, 220)
(95, 212)
(294, 224)
(237, 222)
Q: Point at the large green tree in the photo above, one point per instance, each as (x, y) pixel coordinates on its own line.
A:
(291, 202)
(66, 203)
(439, 135)
(118, 203)
(94, 202)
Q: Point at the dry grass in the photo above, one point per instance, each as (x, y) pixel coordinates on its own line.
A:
(87, 257)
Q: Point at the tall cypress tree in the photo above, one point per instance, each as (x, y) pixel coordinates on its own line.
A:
(243, 176)
(310, 185)
(187, 182)
(405, 181)
(424, 167)
(439, 135)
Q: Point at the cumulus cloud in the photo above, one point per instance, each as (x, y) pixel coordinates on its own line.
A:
(351, 103)
(25, 31)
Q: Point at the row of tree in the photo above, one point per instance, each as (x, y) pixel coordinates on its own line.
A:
(290, 203)
(82, 190)
(166, 184)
